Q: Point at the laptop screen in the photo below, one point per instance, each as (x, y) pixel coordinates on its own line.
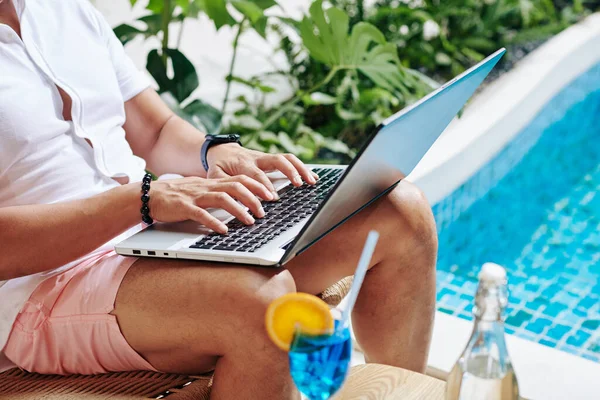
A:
(391, 153)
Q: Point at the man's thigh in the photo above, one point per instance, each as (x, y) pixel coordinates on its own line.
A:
(182, 315)
(170, 310)
(186, 308)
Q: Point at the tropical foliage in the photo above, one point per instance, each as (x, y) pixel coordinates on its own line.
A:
(350, 66)
(443, 38)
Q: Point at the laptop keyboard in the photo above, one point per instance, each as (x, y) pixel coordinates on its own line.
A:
(295, 204)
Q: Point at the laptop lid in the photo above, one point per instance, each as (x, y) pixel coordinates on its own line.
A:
(391, 153)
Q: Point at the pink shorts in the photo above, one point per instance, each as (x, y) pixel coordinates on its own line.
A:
(66, 327)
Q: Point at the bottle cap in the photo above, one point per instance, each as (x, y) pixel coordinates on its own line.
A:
(491, 272)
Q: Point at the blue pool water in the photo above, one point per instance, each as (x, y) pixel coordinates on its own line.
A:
(535, 209)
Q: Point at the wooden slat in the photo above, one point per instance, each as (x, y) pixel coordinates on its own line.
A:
(378, 382)
(19, 385)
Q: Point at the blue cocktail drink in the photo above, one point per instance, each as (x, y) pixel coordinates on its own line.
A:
(319, 364)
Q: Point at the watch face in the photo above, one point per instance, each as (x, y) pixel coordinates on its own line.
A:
(232, 138)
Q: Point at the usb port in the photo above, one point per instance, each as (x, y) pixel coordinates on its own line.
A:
(151, 253)
(137, 252)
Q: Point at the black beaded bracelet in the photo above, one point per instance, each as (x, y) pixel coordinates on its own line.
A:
(145, 210)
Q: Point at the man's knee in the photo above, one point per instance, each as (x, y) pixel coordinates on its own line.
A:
(410, 216)
(251, 317)
(277, 286)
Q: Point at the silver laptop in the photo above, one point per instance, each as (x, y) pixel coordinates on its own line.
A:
(306, 214)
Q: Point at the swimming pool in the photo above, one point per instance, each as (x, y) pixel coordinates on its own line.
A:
(534, 208)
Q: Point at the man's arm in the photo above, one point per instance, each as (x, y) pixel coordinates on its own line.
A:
(168, 143)
(42, 237)
(171, 145)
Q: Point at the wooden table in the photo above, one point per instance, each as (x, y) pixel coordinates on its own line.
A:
(375, 382)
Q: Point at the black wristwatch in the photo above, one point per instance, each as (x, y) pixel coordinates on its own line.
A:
(213, 140)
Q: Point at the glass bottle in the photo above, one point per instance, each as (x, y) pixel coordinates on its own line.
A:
(484, 370)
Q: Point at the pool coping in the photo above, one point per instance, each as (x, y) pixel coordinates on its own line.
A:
(467, 145)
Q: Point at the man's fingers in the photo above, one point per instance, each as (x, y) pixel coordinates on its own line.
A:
(216, 173)
(258, 175)
(282, 164)
(202, 216)
(308, 176)
(253, 185)
(227, 203)
(240, 192)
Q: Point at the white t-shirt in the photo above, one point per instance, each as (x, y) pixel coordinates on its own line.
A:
(43, 158)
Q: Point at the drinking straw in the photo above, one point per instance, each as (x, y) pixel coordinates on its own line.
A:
(359, 275)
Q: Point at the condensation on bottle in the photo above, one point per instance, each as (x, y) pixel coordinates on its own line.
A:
(484, 370)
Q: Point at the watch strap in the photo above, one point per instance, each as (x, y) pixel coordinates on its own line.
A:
(212, 140)
(204, 152)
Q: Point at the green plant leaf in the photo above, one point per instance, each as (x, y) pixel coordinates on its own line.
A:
(156, 6)
(252, 143)
(185, 78)
(292, 23)
(337, 146)
(472, 54)
(424, 83)
(260, 26)
(537, 33)
(273, 149)
(374, 96)
(264, 4)
(303, 153)
(268, 137)
(254, 84)
(193, 10)
(201, 115)
(126, 33)
(375, 58)
(526, 7)
(442, 59)
(246, 121)
(318, 98)
(200, 112)
(325, 35)
(480, 44)
(133, 2)
(217, 12)
(153, 23)
(249, 9)
(334, 145)
(306, 136)
(348, 88)
(184, 5)
(244, 100)
(348, 115)
(287, 143)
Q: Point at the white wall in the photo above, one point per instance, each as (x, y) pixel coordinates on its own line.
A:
(210, 51)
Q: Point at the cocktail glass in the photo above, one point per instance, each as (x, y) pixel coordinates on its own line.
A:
(319, 362)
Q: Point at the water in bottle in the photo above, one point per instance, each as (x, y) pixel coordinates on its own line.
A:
(484, 370)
